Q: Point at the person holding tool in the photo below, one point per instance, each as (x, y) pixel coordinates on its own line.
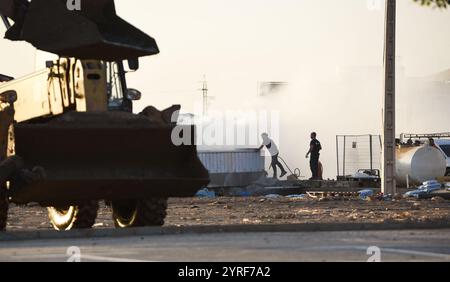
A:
(273, 150)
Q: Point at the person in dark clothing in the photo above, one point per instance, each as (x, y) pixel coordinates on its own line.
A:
(432, 143)
(314, 150)
(273, 150)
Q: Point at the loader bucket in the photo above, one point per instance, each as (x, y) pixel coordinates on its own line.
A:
(94, 32)
(111, 156)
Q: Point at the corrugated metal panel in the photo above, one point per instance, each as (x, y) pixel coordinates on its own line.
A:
(232, 161)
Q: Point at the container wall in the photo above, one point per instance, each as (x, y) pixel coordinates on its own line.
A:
(238, 168)
(232, 161)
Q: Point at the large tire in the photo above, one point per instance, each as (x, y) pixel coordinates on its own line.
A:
(7, 149)
(8, 145)
(139, 213)
(82, 216)
(4, 205)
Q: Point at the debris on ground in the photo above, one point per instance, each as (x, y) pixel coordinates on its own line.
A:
(427, 190)
(205, 193)
(297, 197)
(364, 194)
(261, 210)
(273, 196)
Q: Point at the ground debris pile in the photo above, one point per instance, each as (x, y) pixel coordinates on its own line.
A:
(267, 210)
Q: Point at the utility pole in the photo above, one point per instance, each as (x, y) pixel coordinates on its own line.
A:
(205, 95)
(388, 184)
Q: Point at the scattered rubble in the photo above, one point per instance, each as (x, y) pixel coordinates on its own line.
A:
(429, 190)
(205, 193)
(262, 210)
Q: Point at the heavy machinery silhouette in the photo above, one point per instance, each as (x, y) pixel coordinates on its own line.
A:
(68, 138)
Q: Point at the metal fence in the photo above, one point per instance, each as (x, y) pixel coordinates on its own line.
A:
(355, 152)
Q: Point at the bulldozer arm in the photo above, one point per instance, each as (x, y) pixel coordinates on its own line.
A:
(104, 155)
(94, 32)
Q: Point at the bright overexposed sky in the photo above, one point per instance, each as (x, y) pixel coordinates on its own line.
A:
(307, 43)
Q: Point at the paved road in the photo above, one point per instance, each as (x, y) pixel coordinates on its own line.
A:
(421, 245)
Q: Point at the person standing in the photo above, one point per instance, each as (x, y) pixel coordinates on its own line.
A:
(273, 150)
(432, 143)
(314, 150)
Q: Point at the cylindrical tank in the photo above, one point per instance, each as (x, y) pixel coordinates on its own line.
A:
(419, 164)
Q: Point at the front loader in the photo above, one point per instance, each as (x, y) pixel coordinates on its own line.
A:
(68, 137)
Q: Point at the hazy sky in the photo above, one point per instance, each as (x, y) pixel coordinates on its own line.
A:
(237, 43)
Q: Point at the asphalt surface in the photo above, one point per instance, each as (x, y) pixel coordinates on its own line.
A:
(404, 245)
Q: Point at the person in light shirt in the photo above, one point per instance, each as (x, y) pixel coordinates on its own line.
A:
(274, 152)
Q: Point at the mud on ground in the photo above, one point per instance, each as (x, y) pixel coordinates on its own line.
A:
(260, 210)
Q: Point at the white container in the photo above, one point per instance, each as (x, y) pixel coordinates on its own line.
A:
(417, 164)
(233, 168)
(232, 161)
